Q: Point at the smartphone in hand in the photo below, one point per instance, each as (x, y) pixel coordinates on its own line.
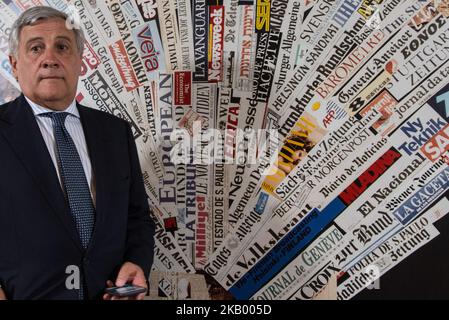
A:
(128, 290)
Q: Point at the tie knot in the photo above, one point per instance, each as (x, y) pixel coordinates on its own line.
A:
(57, 117)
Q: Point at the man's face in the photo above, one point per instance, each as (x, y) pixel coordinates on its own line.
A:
(48, 63)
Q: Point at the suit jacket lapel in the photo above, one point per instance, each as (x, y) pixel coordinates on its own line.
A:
(25, 138)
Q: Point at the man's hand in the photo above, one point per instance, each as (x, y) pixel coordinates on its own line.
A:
(2, 294)
(129, 273)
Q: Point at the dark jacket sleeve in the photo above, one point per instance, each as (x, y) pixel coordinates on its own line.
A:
(140, 231)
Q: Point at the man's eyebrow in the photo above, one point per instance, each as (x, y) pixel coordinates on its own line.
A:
(64, 38)
(34, 39)
(41, 38)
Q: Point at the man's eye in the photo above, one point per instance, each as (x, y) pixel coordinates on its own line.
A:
(35, 49)
(63, 47)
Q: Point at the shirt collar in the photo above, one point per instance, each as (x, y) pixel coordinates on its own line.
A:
(38, 110)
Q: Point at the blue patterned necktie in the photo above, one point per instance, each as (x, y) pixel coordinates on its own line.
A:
(74, 181)
(73, 178)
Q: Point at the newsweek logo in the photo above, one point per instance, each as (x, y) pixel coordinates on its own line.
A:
(182, 83)
(90, 59)
(216, 22)
(124, 65)
(150, 48)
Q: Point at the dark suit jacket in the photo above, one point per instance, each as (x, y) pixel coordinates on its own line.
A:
(38, 237)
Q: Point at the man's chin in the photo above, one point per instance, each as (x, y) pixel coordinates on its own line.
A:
(53, 100)
(51, 97)
(53, 91)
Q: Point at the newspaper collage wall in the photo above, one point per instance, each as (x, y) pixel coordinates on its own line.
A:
(289, 148)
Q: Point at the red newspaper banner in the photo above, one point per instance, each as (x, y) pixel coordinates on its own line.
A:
(216, 32)
(124, 65)
(90, 59)
(182, 84)
(438, 145)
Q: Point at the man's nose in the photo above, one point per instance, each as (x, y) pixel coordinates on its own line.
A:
(49, 64)
(49, 60)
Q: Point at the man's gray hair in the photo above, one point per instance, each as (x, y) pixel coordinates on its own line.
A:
(30, 17)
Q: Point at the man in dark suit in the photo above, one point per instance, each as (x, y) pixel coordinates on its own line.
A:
(72, 199)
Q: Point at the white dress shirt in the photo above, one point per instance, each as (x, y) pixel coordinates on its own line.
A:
(75, 129)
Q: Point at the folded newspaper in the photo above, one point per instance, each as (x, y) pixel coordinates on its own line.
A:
(290, 149)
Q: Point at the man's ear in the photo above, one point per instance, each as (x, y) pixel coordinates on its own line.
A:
(13, 62)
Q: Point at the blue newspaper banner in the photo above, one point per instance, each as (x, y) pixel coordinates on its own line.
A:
(286, 250)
